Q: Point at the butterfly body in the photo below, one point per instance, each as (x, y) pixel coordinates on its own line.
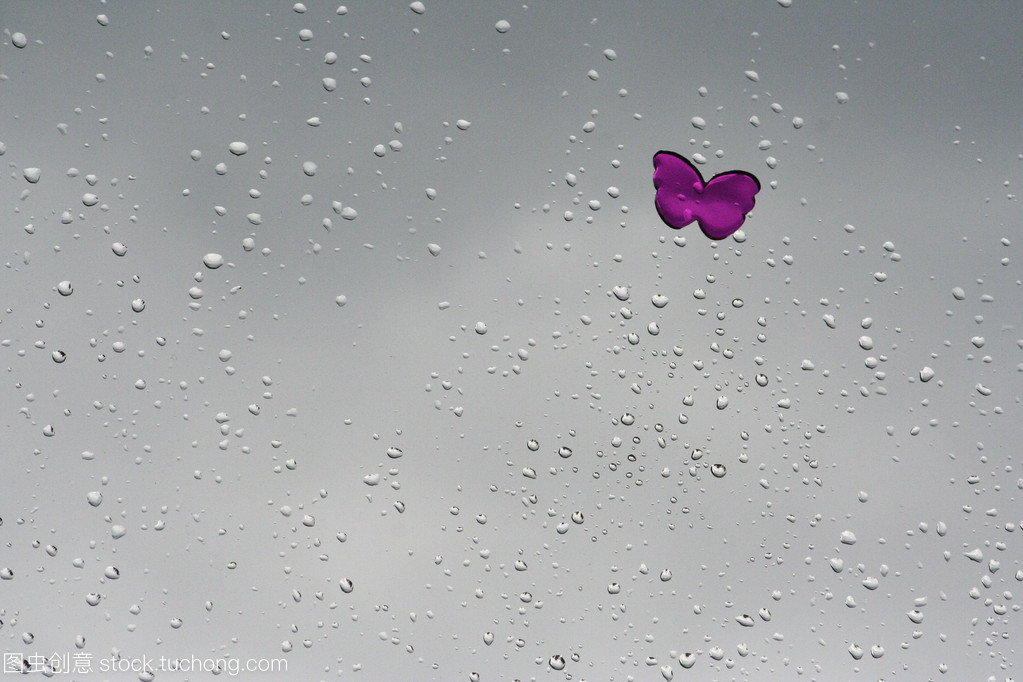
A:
(719, 205)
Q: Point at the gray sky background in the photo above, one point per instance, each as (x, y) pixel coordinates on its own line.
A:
(890, 210)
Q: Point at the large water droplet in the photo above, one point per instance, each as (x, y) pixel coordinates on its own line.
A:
(213, 260)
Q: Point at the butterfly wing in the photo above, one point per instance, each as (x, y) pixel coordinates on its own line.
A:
(725, 201)
(678, 184)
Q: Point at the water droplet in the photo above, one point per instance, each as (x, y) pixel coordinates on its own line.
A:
(346, 585)
(557, 662)
(533, 444)
(64, 288)
(842, 97)
(119, 249)
(687, 660)
(564, 452)
(19, 40)
(718, 470)
(213, 260)
(238, 148)
(665, 575)
(418, 7)
(614, 588)
(847, 537)
(95, 498)
(138, 305)
(58, 356)
(32, 174)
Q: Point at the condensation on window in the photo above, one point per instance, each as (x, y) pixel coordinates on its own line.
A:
(349, 341)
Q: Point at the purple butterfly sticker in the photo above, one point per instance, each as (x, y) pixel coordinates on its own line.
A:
(720, 205)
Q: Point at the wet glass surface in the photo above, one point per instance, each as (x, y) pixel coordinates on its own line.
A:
(348, 341)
